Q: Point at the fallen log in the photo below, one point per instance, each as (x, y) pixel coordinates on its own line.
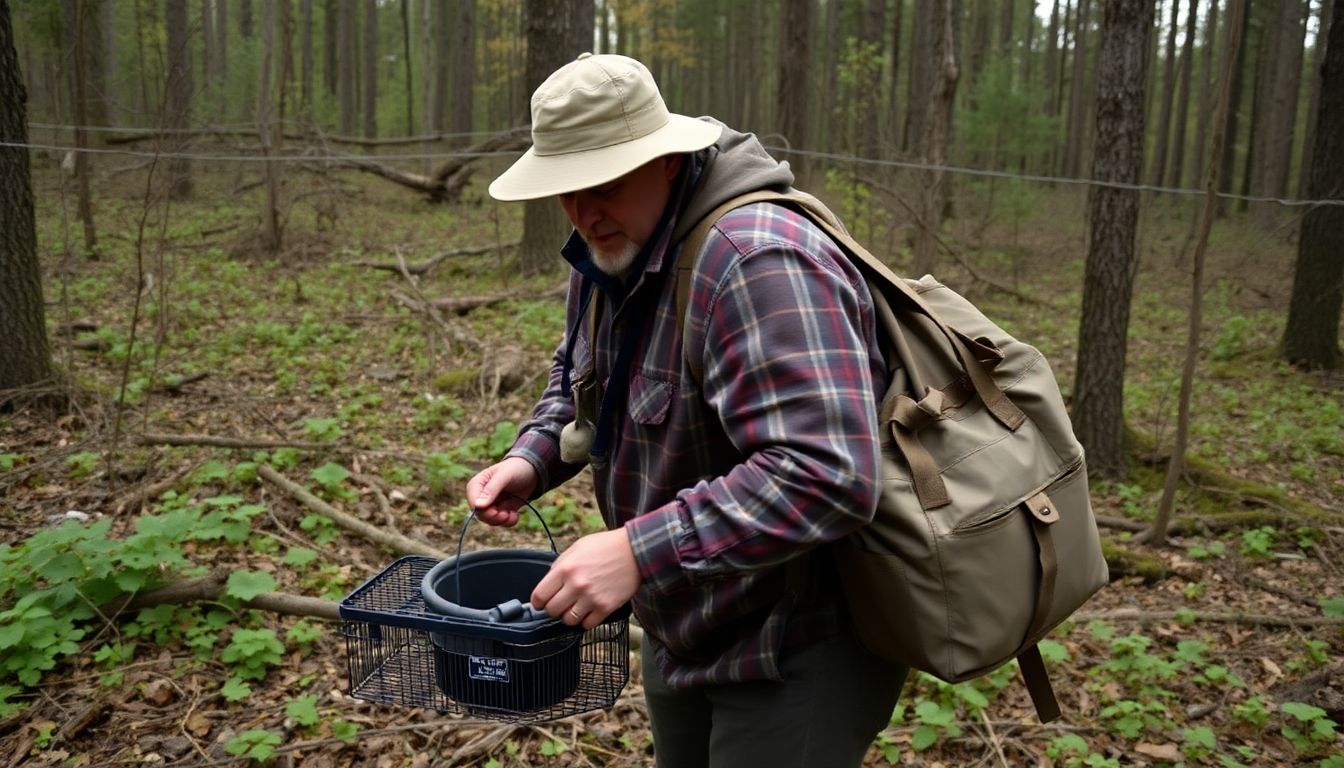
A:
(422, 267)
(156, 438)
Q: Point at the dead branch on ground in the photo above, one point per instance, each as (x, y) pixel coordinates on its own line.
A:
(422, 267)
(213, 586)
(1236, 617)
(216, 441)
(396, 542)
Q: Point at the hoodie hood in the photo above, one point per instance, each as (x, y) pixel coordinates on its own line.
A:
(735, 165)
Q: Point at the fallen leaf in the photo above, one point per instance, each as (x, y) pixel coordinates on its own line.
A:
(160, 692)
(198, 724)
(1159, 751)
(1271, 667)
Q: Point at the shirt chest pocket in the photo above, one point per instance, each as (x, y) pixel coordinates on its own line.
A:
(650, 400)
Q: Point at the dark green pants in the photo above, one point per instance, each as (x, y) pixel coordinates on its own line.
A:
(833, 700)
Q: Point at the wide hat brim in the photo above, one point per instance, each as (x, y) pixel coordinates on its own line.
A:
(535, 176)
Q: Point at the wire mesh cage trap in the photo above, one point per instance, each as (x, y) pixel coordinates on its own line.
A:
(457, 636)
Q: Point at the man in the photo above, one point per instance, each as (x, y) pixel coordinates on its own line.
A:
(723, 455)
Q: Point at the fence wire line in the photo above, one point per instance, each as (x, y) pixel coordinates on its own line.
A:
(908, 165)
(239, 127)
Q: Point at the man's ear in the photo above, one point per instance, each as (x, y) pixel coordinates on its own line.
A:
(672, 166)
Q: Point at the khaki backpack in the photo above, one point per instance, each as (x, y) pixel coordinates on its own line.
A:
(984, 538)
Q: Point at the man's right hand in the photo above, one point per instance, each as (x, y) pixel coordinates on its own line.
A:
(497, 492)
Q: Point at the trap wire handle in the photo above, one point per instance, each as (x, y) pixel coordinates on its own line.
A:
(471, 515)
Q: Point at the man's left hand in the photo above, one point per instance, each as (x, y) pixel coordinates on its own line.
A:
(594, 577)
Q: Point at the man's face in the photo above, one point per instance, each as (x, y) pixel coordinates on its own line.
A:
(617, 218)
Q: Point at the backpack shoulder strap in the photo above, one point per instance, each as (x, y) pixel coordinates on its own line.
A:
(967, 350)
(690, 252)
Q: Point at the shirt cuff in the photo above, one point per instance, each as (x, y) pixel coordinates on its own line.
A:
(542, 451)
(654, 539)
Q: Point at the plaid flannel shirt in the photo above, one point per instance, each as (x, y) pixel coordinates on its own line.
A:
(720, 482)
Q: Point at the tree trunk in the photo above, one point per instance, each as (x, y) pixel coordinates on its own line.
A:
(1028, 36)
(979, 47)
(871, 35)
(1311, 337)
(25, 358)
(1073, 144)
(266, 130)
(554, 38)
(406, 60)
(1282, 72)
(345, 62)
(1229, 158)
(1313, 99)
(1005, 42)
(830, 76)
(331, 36)
(370, 68)
(101, 61)
(178, 107)
(442, 71)
(1177, 167)
(1206, 83)
(245, 19)
(893, 121)
(941, 95)
(222, 37)
(793, 109)
(208, 54)
(1113, 213)
(1051, 63)
(1168, 96)
(464, 70)
(78, 12)
(308, 63)
(921, 76)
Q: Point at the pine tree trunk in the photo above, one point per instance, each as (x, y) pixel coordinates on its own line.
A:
(1073, 145)
(370, 80)
(208, 54)
(1108, 282)
(921, 74)
(1276, 109)
(1177, 167)
(331, 40)
(25, 358)
(1168, 95)
(872, 36)
(345, 62)
(1229, 158)
(1028, 36)
(893, 137)
(1005, 44)
(443, 68)
(308, 64)
(1311, 337)
(102, 62)
(464, 70)
(1313, 100)
(77, 17)
(266, 130)
(222, 37)
(796, 38)
(555, 36)
(245, 19)
(830, 85)
(979, 47)
(179, 88)
(941, 95)
(1206, 83)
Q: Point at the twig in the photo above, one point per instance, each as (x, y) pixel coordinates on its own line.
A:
(993, 739)
(156, 438)
(131, 501)
(394, 541)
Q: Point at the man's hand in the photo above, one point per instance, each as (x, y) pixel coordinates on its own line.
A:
(588, 581)
(497, 492)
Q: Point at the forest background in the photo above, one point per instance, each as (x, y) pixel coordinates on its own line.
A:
(261, 320)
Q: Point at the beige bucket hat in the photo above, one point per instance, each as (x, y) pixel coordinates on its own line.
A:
(594, 120)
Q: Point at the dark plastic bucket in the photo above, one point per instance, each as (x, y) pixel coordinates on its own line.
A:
(504, 655)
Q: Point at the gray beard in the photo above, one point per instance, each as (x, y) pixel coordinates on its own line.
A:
(617, 264)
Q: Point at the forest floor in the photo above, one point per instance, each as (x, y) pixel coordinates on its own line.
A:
(1222, 649)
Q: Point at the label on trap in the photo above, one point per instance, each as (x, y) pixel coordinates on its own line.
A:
(489, 669)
